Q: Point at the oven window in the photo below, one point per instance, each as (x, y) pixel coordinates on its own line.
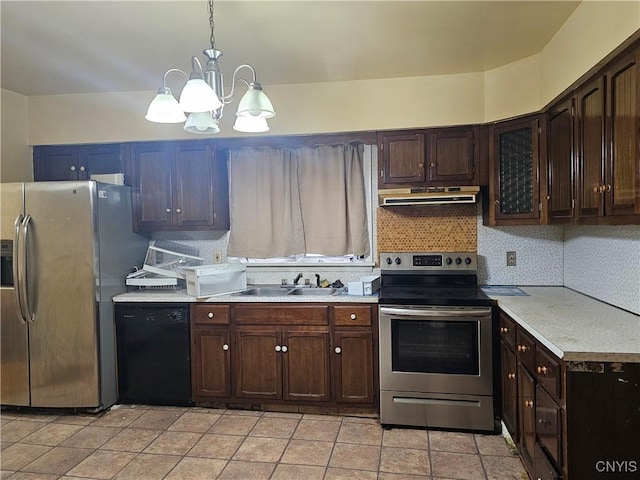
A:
(435, 347)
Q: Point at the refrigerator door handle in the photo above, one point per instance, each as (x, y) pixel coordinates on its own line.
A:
(16, 269)
(24, 281)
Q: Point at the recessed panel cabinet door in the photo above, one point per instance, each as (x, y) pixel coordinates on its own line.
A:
(403, 157)
(194, 200)
(258, 364)
(55, 163)
(560, 196)
(152, 196)
(622, 190)
(510, 390)
(590, 142)
(305, 356)
(211, 373)
(451, 156)
(353, 367)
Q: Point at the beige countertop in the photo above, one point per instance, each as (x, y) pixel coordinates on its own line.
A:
(574, 326)
(181, 296)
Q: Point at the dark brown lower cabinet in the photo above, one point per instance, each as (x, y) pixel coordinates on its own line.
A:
(576, 420)
(285, 354)
(353, 367)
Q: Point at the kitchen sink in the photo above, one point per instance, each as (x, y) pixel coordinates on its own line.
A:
(315, 291)
(275, 291)
(265, 291)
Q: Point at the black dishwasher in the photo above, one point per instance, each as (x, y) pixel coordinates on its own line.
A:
(153, 346)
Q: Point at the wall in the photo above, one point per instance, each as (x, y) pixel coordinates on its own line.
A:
(15, 154)
(604, 262)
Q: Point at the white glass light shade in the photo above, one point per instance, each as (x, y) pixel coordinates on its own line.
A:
(197, 96)
(255, 103)
(164, 108)
(251, 124)
(201, 122)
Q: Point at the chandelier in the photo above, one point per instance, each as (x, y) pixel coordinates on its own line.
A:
(203, 98)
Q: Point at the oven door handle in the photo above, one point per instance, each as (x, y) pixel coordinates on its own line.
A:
(422, 312)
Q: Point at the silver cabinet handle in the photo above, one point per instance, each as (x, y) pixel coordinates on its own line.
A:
(72, 168)
(225, 347)
(284, 348)
(168, 210)
(178, 210)
(278, 348)
(338, 350)
(82, 169)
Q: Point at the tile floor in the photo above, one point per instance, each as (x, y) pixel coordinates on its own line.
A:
(148, 443)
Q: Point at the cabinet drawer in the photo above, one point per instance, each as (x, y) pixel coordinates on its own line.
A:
(210, 314)
(526, 350)
(356, 315)
(548, 372)
(278, 314)
(507, 330)
(549, 424)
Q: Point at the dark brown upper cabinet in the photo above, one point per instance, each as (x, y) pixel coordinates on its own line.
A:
(516, 152)
(426, 157)
(560, 200)
(178, 186)
(608, 143)
(75, 162)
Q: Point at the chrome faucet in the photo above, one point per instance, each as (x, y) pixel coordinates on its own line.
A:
(297, 279)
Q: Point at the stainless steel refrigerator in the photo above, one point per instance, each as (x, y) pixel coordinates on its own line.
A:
(66, 250)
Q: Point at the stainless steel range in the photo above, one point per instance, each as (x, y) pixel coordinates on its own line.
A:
(436, 345)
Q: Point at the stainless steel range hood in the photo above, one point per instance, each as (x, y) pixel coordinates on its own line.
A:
(427, 196)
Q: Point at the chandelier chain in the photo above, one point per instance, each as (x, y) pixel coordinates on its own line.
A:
(212, 37)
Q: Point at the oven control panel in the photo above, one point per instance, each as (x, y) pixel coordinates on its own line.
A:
(448, 261)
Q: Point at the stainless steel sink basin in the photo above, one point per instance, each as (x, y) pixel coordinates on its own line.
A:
(315, 291)
(265, 291)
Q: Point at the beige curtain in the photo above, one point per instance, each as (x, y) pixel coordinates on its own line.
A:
(263, 204)
(292, 201)
(333, 199)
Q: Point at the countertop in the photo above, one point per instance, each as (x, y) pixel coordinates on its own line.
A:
(181, 296)
(574, 326)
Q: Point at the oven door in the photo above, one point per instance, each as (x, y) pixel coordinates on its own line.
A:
(433, 349)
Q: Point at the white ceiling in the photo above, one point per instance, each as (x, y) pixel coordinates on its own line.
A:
(53, 47)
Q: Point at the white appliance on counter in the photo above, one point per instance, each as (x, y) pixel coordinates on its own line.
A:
(66, 250)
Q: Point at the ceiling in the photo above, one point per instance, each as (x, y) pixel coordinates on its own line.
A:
(53, 47)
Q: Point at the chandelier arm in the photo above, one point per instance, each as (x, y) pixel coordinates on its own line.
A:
(228, 98)
(164, 78)
(194, 61)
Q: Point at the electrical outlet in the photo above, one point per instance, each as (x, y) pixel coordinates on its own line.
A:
(511, 259)
(217, 256)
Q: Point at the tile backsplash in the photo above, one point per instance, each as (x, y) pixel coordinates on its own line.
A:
(604, 262)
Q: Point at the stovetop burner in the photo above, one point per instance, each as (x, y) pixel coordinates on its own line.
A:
(429, 278)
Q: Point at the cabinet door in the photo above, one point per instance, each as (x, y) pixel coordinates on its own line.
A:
(258, 363)
(152, 193)
(509, 390)
(55, 163)
(193, 184)
(99, 159)
(403, 159)
(549, 424)
(622, 190)
(353, 367)
(526, 397)
(590, 153)
(211, 366)
(560, 170)
(451, 156)
(514, 191)
(305, 357)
